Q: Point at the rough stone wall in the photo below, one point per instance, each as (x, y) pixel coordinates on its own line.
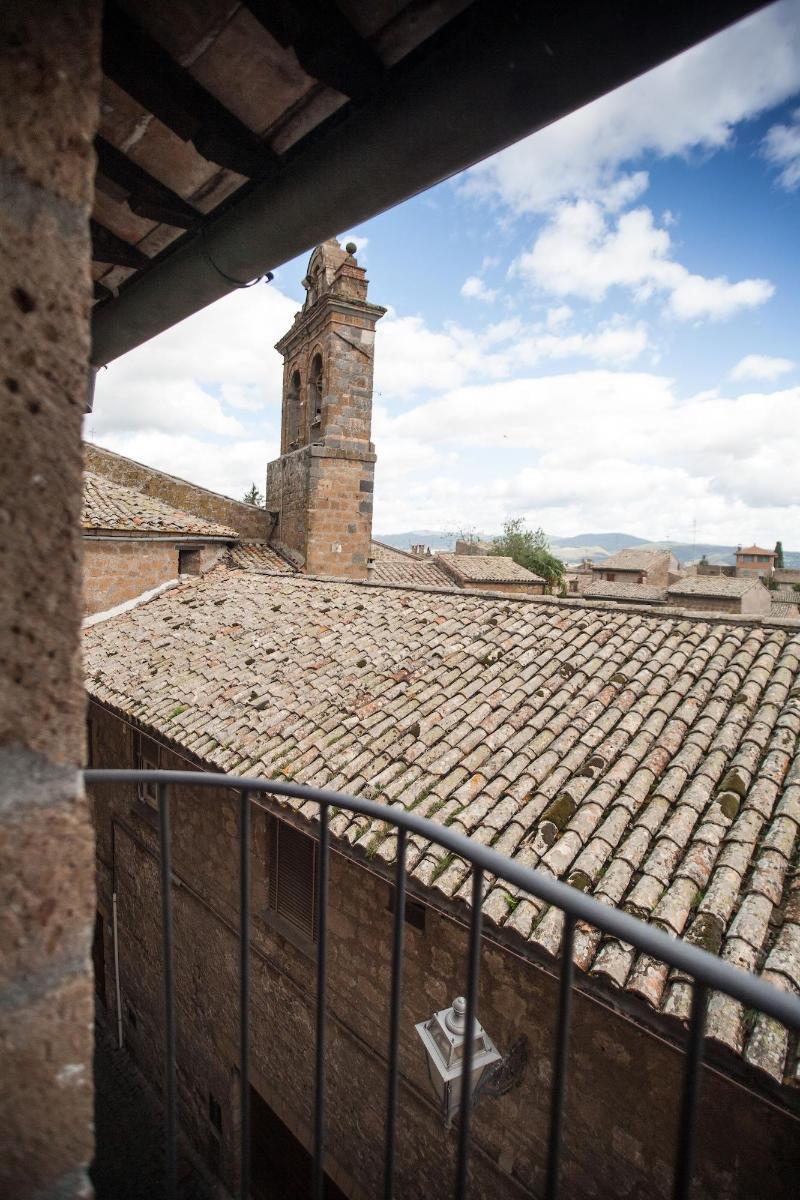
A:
(249, 522)
(114, 572)
(720, 604)
(49, 88)
(339, 513)
(624, 1084)
(509, 589)
(287, 495)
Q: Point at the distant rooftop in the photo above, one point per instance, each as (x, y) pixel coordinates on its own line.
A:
(639, 593)
(754, 550)
(712, 585)
(487, 568)
(633, 560)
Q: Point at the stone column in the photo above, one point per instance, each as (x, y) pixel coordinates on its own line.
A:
(49, 90)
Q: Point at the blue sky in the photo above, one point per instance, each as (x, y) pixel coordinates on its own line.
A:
(595, 329)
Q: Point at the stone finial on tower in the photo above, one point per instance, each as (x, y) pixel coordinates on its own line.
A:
(321, 486)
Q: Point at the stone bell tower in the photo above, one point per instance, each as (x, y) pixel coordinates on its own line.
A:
(320, 489)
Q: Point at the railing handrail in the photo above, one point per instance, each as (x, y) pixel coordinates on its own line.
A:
(710, 970)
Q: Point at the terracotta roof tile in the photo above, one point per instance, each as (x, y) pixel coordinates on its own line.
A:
(486, 568)
(712, 585)
(641, 593)
(651, 760)
(109, 506)
(259, 556)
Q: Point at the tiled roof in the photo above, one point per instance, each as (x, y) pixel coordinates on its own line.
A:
(712, 585)
(649, 760)
(779, 608)
(113, 507)
(639, 593)
(633, 560)
(258, 556)
(487, 568)
(785, 595)
(383, 552)
(408, 569)
(755, 550)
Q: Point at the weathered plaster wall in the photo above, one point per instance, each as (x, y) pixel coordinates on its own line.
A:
(624, 1083)
(49, 88)
(248, 521)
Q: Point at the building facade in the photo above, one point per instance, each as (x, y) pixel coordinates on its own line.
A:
(320, 491)
(710, 593)
(754, 562)
(656, 568)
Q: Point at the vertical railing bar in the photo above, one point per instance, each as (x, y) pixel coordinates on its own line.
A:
(560, 1059)
(394, 1012)
(318, 1170)
(244, 987)
(684, 1154)
(473, 979)
(165, 858)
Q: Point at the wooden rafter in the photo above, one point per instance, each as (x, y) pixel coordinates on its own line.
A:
(144, 70)
(144, 195)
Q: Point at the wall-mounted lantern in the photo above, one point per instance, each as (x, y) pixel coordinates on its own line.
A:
(443, 1037)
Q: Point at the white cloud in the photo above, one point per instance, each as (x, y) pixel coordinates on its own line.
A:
(412, 358)
(690, 102)
(584, 251)
(781, 148)
(761, 366)
(361, 245)
(229, 470)
(183, 379)
(605, 450)
(473, 288)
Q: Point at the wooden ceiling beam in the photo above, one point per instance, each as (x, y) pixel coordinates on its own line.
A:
(108, 248)
(144, 195)
(143, 69)
(326, 44)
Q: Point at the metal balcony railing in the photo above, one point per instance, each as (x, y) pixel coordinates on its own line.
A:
(705, 970)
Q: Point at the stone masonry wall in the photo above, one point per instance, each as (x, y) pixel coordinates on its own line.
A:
(339, 514)
(114, 572)
(287, 495)
(509, 589)
(49, 89)
(624, 1083)
(248, 521)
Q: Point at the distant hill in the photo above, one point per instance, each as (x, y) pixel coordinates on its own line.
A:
(588, 545)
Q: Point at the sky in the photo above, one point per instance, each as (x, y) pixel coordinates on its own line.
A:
(595, 329)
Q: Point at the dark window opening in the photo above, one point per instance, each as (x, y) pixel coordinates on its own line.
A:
(315, 388)
(189, 560)
(292, 877)
(293, 411)
(415, 914)
(147, 760)
(131, 1015)
(214, 1112)
(99, 959)
(280, 1164)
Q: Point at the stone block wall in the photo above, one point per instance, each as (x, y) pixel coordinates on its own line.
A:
(49, 90)
(250, 523)
(287, 495)
(624, 1083)
(339, 513)
(114, 572)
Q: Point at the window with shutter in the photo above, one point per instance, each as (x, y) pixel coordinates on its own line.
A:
(292, 877)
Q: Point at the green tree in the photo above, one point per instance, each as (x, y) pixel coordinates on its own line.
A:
(253, 496)
(531, 549)
(779, 555)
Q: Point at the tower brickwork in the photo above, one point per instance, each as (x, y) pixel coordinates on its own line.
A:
(320, 489)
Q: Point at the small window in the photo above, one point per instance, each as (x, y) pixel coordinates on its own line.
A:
(131, 1016)
(293, 412)
(292, 877)
(147, 760)
(315, 388)
(89, 742)
(415, 911)
(214, 1112)
(190, 560)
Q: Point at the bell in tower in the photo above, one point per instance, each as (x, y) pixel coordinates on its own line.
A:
(321, 487)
